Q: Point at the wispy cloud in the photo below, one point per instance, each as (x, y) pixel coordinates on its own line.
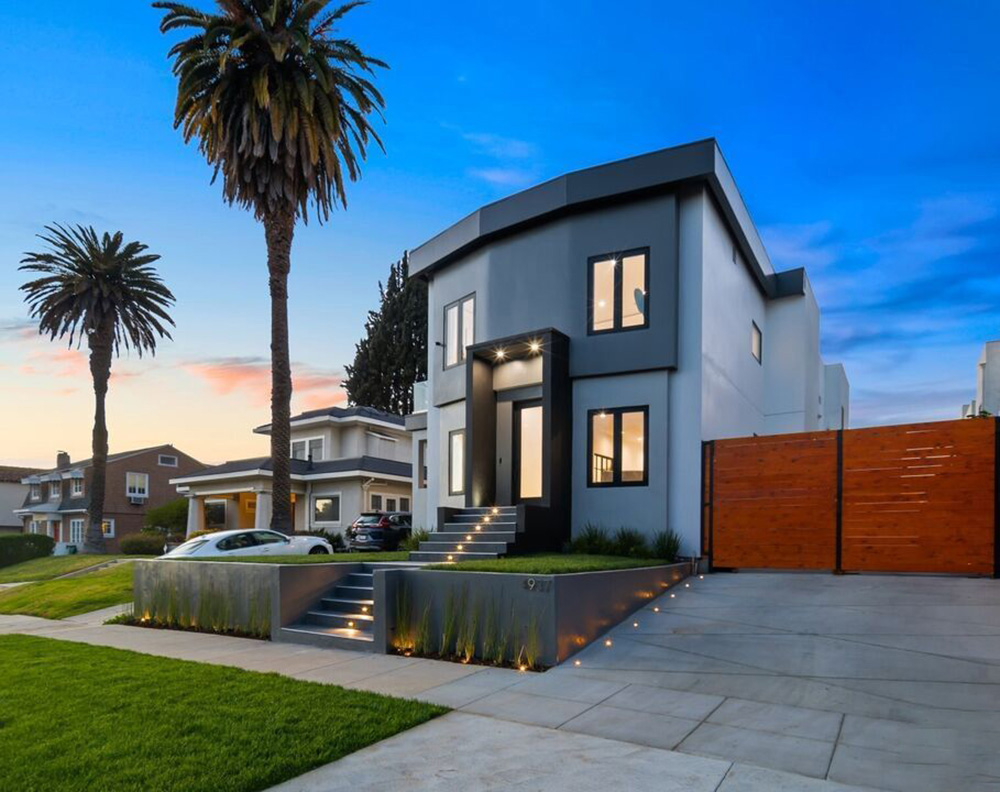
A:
(251, 376)
(503, 177)
(500, 161)
(808, 245)
(501, 147)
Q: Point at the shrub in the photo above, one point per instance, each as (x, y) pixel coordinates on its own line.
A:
(142, 544)
(666, 544)
(594, 540)
(170, 518)
(630, 542)
(23, 547)
(412, 542)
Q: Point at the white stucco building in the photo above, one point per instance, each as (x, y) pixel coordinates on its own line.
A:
(987, 383)
(586, 335)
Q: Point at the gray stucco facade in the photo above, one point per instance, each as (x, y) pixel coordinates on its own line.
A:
(693, 365)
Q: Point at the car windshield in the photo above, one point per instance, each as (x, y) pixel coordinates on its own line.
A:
(372, 519)
(188, 547)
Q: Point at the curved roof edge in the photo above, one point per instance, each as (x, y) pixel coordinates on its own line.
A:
(615, 182)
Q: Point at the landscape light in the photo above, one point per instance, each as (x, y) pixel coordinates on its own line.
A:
(451, 558)
(486, 519)
(656, 609)
(576, 662)
(468, 537)
(701, 577)
(687, 585)
(635, 624)
(350, 624)
(459, 547)
(522, 668)
(607, 642)
(479, 527)
(496, 510)
(672, 596)
(364, 609)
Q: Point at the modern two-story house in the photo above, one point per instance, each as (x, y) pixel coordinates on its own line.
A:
(987, 401)
(135, 481)
(345, 460)
(587, 334)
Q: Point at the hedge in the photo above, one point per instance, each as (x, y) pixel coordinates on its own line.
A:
(24, 547)
(142, 544)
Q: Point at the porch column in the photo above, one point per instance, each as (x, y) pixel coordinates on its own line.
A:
(262, 514)
(196, 516)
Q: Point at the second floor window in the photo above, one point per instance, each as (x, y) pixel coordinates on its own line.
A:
(137, 485)
(619, 292)
(55, 490)
(76, 487)
(36, 491)
(756, 343)
(459, 329)
(308, 448)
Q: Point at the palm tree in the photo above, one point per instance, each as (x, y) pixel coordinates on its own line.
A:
(281, 108)
(102, 289)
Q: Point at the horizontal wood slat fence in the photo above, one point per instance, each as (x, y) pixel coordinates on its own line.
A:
(912, 498)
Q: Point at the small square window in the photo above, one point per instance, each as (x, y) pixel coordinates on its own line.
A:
(756, 342)
(167, 460)
(108, 529)
(326, 509)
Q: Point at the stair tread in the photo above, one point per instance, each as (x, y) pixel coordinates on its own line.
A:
(339, 632)
(367, 617)
(344, 601)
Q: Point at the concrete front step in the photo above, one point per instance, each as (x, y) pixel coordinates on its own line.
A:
(484, 519)
(331, 637)
(346, 605)
(472, 536)
(478, 546)
(482, 527)
(435, 557)
(350, 592)
(352, 621)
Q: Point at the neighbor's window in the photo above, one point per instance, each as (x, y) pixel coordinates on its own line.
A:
(326, 509)
(77, 486)
(756, 342)
(215, 514)
(618, 447)
(390, 504)
(108, 529)
(619, 285)
(421, 464)
(456, 462)
(459, 329)
(376, 502)
(167, 460)
(309, 448)
(404, 504)
(137, 485)
(36, 491)
(76, 531)
(55, 490)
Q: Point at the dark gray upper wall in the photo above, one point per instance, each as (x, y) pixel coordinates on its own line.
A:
(614, 183)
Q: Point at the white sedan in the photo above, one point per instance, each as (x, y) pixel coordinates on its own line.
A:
(233, 544)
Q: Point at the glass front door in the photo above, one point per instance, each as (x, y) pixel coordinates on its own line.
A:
(528, 450)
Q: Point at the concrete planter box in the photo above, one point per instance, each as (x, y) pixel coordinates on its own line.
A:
(249, 598)
(569, 611)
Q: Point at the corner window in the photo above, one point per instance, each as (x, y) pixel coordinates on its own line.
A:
(456, 462)
(756, 342)
(137, 485)
(76, 487)
(459, 329)
(618, 291)
(308, 448)
(108, 529)
(326, 509)
(167, 460)
(617, 447)
(421, 464)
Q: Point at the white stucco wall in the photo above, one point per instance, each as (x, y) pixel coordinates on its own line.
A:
(836, 395)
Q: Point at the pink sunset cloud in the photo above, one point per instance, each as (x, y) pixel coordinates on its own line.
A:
(251, 376)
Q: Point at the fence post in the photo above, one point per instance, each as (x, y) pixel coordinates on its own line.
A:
(838, 564)
(996, 497)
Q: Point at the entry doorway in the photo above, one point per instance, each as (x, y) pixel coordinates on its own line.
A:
(528, 439)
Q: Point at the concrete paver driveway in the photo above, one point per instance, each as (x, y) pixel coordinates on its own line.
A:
(874, 681)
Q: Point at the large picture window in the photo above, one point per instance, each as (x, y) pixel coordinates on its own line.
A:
(326, 509)
(308, 448)
(618, 447)
(459, 329)
(618, 292)
(456, 462)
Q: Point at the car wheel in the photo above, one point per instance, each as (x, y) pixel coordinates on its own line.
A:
(319, 551)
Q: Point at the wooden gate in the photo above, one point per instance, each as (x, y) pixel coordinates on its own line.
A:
(913, 498)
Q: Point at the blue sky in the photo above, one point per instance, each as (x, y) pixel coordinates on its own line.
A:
(863, 137)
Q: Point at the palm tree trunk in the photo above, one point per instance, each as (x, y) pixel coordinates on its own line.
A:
(279, 227)
(100, 371)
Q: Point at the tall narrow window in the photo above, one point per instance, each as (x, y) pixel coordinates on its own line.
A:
(756, 342)
(529, 460)
(459, 329)
(421, 464)
(456, 462)
(619, 291)
(376, 502)
(618, 441)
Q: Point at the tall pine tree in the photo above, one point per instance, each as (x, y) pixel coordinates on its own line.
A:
(393, 353)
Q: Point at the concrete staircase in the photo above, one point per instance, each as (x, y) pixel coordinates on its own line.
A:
(346, 613)
(472, 534)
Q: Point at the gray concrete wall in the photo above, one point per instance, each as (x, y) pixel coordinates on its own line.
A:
(568, 611)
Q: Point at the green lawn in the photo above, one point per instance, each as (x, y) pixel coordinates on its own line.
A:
(344, 558)
(86, 718)
(550, 564)
(57, 599)
(51, 567)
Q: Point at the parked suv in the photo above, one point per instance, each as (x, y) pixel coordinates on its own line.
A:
(378, 531)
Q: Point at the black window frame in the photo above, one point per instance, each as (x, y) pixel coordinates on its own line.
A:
(760, 333)
(462, 357)
(451, 461)
(616, 414)
(618, 295)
